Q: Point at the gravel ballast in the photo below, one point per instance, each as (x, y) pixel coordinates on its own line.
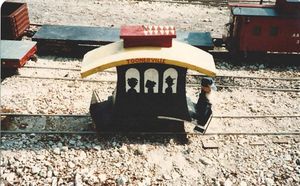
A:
(32, 159)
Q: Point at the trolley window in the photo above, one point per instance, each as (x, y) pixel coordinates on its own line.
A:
(151, 81)
(132, 81)
(170, 81)
(273, 31)
(256, 31)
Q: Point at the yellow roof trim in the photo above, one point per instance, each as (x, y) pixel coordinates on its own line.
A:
(180, 54)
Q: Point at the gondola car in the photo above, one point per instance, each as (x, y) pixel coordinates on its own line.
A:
(151, 68)
(14, 20)
(265, 28)
(14, 23)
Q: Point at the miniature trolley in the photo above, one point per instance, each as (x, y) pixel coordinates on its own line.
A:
(151, 69)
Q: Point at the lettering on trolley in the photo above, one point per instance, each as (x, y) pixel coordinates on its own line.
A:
(146, 60)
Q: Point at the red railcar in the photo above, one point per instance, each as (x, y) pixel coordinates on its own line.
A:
(265, 28)
(14, 20)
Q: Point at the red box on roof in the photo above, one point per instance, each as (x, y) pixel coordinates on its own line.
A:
(142, 35)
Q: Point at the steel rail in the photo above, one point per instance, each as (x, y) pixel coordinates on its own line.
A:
(51, 68)
(219, 76)
(86, 115)
(198, 2)
(46, 115)
(256, 77)
(145, 133)
(251, 88)
(36, 24)
(66, 79)
(257, 116)
(61, 68)
(204, 2)
(188, 84)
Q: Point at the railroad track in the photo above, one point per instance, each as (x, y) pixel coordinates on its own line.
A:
(209, 2)
(87, 115)
(194, 75)
(195, 84)
(88, 131)
(150, 133)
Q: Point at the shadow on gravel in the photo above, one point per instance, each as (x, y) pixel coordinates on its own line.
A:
(86, 142)
(59, 59)
(8, 72)
(179, 139)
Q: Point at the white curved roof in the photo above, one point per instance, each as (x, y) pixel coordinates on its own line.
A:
(180, 54)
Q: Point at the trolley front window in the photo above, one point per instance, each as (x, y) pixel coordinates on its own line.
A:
(256, 31)
(273, 31)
